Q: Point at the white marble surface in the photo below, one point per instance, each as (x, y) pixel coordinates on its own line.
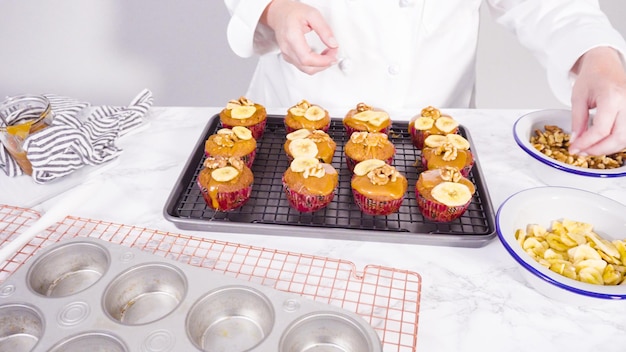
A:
(473, 299)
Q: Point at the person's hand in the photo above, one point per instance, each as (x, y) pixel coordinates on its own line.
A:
(291, 20)
(601, 84)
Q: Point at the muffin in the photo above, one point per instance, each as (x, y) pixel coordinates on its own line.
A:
(365, 118)
(236, 142)
(306, 143)
(368, 145)
(377, 187)
(449, 150)
(309, 184)
(225, 183)
(244, 112)
(443, 194)
(430, 121)
(306, 115)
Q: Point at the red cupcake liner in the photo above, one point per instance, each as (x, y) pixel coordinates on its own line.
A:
(351, 130)
(256, 129)
(305, 203)
(418, 137)
(247, 159)
(464, 171)
(438, 212)
(352, 162)
(376, 207)
(226, 201)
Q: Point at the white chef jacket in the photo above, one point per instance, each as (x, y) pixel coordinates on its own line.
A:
(408, 54)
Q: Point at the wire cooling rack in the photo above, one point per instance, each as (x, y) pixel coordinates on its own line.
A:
(388, 298)
(268, 211)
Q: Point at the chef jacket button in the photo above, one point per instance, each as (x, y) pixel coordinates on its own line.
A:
(345, 65)
(407, 3)
(393, 69)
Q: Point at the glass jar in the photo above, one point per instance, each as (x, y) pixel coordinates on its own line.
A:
(21, 116)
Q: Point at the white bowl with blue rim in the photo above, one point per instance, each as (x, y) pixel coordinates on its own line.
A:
(542, 206)
(551, 171)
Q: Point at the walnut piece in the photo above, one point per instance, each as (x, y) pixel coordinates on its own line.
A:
(450, 174)
(243, 101)
(318, 136)
(226, 140)
(368, 139)
(236, 162)
(431, 112)
(448, 151)
(554, 143)
(360, 107)
(383, 175)
(303, 104)
(216, 162)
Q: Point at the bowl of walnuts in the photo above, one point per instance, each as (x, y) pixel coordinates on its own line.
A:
(545, 134)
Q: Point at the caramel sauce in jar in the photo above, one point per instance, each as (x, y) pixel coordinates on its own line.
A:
(25, 115)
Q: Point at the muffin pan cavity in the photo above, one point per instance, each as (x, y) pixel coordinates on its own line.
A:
(325, 331)
(68, 269)
(91, 341)
(21, 327)
(88, 294)
(230, 319)
(145, 293)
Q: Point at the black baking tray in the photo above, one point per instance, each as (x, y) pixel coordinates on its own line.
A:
(268, 212)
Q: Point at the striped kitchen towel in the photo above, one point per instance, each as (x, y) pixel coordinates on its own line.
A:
(72, 141)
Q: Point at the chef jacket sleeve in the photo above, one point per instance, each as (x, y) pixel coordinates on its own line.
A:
(246, 36)
(558, 32)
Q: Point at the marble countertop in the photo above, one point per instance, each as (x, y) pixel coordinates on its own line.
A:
(472, 299)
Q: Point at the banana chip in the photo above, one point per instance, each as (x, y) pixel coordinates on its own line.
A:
(572, 249)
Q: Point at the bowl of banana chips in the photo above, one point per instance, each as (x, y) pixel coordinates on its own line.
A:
(569, 244)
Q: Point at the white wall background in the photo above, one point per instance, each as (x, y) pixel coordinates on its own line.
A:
(106, 51)
(508, 76)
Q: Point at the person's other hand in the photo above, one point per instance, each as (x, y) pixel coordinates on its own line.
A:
(601, 84)
(291, 20)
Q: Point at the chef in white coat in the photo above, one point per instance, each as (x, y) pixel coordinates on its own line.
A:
(408, 54)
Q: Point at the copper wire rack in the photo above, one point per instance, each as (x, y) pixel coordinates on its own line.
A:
(387, 298)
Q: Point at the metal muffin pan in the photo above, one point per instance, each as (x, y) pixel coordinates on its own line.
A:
(87, 294)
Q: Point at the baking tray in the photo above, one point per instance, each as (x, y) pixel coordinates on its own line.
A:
(387, 298)
(268, 211)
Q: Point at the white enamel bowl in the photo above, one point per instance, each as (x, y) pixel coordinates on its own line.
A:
(553, 172)
(541, 206)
